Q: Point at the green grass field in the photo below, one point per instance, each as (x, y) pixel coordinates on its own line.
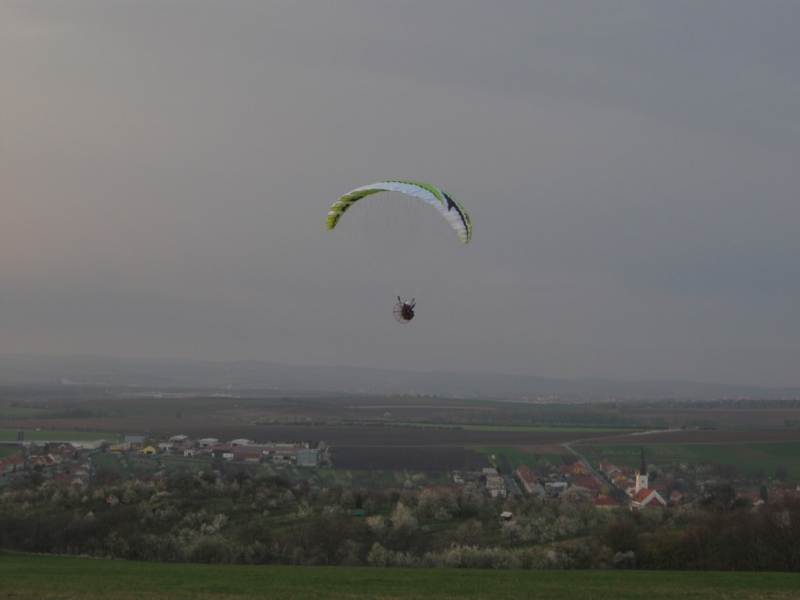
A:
(8, 451)
(47, 435)
(516, 457)
(746, 457)
(110, 464)
(22, 412)
(66, 578)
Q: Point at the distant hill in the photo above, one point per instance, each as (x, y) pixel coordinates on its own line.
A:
(248, 377)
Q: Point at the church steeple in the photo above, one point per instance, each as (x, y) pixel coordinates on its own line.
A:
(641, 475)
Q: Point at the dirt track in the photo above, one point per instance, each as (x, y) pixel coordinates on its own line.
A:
(713, 436)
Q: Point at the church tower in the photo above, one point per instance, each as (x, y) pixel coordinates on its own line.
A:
(641, 475)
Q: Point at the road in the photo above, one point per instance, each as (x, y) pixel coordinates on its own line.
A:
(616, 493)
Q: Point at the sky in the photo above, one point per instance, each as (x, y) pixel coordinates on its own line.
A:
(632, 171)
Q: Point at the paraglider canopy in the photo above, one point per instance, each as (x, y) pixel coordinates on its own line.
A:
(441, 200)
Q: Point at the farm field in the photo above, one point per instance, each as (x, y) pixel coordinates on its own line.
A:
(355, 435)
(65, 578)
(17, 412)
(534, 457)
(433, 435)
(46, 435)
(748, 457)
(418, 458)
(7, 451)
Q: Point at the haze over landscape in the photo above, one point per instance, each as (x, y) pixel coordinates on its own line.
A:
(630, 169)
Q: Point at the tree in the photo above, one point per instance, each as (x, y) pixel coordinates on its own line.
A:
(438, 506)
(621, 535)
(255, 531)
(379, 556)
(322, 540)
(210, 549)
(780, 529)
(468, 532)
(403, 520)
(404, 534)
(722, 499)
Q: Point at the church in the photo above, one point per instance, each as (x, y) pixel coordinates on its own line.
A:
(642, 495)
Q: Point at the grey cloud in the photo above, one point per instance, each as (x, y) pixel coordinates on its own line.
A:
(630, 169)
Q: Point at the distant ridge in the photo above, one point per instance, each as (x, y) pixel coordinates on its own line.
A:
(247, 376)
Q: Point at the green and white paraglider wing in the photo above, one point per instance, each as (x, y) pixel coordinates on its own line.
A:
(447, 206)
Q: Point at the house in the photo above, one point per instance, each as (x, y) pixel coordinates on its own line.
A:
(12, 463)
(221, 451)
(555, 487)
(42, 461)
(178, 443)
(579, 469)
(526, 477)
(588, 482)
(537, 489)
(495, 484)
(241, 442)
(307, 457)
(283, 452)
(622, 481)
(247, 455)
(604, 501)
(133, 442)
(608, 468)
(63, 450)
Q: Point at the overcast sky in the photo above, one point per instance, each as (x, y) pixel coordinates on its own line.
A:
(632, 170)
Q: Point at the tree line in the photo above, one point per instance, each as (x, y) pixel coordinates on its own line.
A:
(242, 518)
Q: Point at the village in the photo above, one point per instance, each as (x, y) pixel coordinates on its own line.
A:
(240, 450)
(70, 463)
(606, 486)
